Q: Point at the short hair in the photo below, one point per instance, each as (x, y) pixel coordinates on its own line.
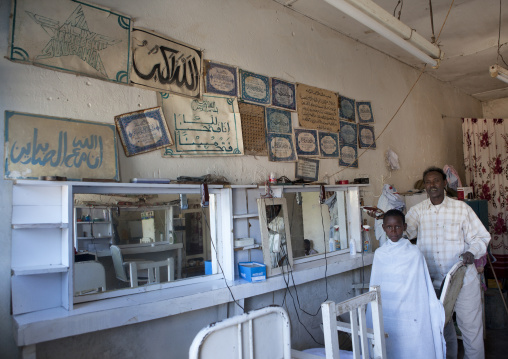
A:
(434, 169)
(306, 241)
(394, 213)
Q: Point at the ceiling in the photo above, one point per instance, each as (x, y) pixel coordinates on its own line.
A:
(469, 38)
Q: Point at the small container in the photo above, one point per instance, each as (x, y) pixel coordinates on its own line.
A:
(331, 244)
(367, 248)
(272, 178)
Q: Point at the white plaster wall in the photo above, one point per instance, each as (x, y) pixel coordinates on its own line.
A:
(496, 108)
(260, 36)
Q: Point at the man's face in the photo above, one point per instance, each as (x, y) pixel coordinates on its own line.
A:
(394, 228)
(434, 185)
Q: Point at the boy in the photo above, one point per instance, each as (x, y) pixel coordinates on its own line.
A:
(413, 316)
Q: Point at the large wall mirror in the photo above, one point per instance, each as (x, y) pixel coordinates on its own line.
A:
(312, 224)
(125, 241)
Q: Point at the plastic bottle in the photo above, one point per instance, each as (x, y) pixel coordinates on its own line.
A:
(336, 237)
(367, 248)
(352, 248)
(331, 244)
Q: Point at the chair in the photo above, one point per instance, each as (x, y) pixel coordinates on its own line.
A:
(356, 307)
(89, 276)
(260, 334)
(451, 287)
(135, 271)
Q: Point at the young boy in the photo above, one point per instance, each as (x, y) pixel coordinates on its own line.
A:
(413, 316)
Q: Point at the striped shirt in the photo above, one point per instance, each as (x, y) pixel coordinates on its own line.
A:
(444, 232)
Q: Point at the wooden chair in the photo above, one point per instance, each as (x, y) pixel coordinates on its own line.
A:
(360, 334)
(260, 334)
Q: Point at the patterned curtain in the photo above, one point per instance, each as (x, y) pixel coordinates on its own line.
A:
(485, 144)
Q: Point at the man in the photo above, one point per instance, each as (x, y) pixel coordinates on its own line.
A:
(448, 230)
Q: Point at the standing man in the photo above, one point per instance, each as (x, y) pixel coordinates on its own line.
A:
(447, 229)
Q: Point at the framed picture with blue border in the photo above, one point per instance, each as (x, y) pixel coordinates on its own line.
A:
(348, 156)
(307, 169)
(364, 109)
(306, 142)
(347, 109)
(281, 147)
(283, 94)
(278, 121)
(143, 131)
(220, 78)
(254, 87)
(329, 144)
(348, 133)
(366, 138)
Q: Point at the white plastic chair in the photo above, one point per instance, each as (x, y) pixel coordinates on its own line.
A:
(260, 334)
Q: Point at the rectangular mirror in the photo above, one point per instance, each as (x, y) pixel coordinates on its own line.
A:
(312, 224)
(275, 233)
(125, 241)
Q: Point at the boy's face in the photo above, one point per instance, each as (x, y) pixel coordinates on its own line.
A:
(394, 228)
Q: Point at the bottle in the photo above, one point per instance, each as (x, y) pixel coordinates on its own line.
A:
(366, 239)
(336, 237)
(352, 248)
(331, 244)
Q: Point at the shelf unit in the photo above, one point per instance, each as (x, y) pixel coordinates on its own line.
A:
(93, 229)
(41, 239)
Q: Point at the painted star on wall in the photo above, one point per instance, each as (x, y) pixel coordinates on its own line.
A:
(74, 38)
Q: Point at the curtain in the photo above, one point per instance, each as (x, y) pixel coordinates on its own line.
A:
(485, 144)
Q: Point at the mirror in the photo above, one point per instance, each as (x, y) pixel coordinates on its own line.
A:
(117, 235)
(312, 224)
(275, 233)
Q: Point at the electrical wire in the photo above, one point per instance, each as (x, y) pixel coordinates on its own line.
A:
(220, 266)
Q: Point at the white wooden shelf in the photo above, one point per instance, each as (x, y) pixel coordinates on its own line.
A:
(246, 215)
(94, 222)
(245, 248)
(39, 225)
(102, 237)
(40, 269)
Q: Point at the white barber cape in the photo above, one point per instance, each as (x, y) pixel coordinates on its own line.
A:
(413, 316)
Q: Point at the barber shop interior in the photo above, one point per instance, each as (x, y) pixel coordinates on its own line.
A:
(255, 179)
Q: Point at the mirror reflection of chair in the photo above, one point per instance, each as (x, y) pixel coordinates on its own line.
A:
(140, 270)
(89, 276)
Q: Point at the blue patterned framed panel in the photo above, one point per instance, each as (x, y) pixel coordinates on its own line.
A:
(348, 133)
(71, 36)
(329, 144)
(306, 142)
(38, 145)
(281, 147)
(221, 79)
(283, 94)
(143, 131)
(307, 169)
(347, 109)
(278, 121)
(348, 156)
(364, 110)
(254, 87)
(366, 138)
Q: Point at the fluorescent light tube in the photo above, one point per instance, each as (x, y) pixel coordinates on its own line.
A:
(499, 73)
(382, 22)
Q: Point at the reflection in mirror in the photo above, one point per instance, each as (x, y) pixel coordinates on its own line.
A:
(275, 233)
(126, 241)
(313, 224)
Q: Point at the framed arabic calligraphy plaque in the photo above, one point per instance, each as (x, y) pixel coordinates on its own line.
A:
(164, 65)
(37, 145)
(71, 36)
(143, 131)
(207, 127)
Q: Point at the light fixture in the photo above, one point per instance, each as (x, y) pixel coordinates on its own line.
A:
(499, 73)
(382, 22)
